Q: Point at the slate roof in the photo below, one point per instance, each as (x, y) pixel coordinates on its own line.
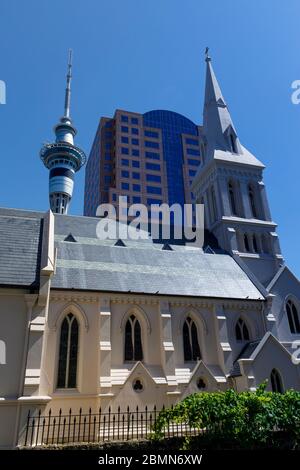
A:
(142, 266)
(20, 247)
(85, 262)
(246, 353)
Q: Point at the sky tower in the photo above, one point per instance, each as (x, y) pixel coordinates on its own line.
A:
(62, 157)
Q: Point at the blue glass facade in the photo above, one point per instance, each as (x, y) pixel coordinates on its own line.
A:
(172, 125)
(156, 154)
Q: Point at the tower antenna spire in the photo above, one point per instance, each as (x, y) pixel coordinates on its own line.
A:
(207, 57)
(68, 87)
(62, 157)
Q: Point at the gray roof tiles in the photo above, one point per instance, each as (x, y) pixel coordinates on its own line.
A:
(245, 353)
(96, 265)
(143, 267)
(20, 243)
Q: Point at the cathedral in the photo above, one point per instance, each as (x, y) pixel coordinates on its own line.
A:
(86, 322)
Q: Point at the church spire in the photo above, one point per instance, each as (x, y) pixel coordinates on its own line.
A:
(62, 157)
(218, 126)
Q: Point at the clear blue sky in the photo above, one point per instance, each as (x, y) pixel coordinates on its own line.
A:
(141, 55)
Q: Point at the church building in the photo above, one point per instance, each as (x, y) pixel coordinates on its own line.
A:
(86, 322)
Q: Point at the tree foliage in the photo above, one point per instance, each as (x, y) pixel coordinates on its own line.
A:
(244, 419)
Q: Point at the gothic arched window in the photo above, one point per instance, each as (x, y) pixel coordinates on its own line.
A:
(68, 352)
(276, 382)
(232, 143)
(265, 243)
(231, 193)
(246, 242)
(213, 204)
(191, 347)
(133, 340)
(241, 331)
(252, 201)
(293, 317)
(255, 245)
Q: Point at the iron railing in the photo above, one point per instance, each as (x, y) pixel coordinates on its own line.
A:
(108, 426)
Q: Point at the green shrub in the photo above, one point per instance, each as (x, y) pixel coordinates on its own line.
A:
(246, 419)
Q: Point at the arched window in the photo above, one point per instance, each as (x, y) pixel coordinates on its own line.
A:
(293, 316)
(276, 382)
(68, 352)
(264, 244)
(232, 143)
(240, 241)
(241, 331)
(251, 195)
(133, 340)
(231, 193)
(255, 245)
(213, 204)
(246, 242)
(191, 347)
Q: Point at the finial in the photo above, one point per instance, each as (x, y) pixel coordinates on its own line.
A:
(207, 57)
(68, 87)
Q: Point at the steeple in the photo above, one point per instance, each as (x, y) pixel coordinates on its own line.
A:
(63, 158)
(230, 184)
(217, 123)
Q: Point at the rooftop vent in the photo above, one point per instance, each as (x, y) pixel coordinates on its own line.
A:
(120, 243)
(70, 238)
(167, 247)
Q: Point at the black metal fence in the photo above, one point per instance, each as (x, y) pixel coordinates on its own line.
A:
(105, 426)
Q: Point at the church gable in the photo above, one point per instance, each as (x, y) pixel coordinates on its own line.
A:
(285, 289)
(269, 355)
(205, 379)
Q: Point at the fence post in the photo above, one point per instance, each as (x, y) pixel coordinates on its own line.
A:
(79, 424)
(108, 427)
(137, 422)
(89, 435)
(118, 422)
(58, 431)
(74, 428)
(53, 430)
(84, 423)
(48, 429)
(132, 425)
(103, 434)
(142, 423)
(114, 423)
(128, 423)
(123, 426)
(43, 430)
(64, 428)
(94, 429)
(69, 425)
(146, 418)
(38, 428)
(32, 431)
(27, 427)
(99, 424)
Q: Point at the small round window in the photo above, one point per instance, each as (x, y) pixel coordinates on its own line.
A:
(201, 384)
(137, 385)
